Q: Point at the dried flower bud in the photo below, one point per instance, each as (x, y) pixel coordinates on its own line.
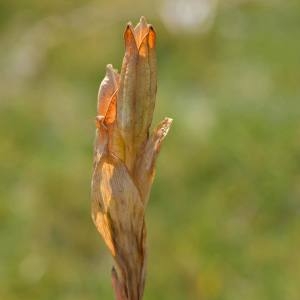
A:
(124, 158)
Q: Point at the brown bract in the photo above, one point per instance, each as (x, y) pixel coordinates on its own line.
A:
(124, 158)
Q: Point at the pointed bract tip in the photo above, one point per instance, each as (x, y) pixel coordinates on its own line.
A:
(111, 71)
(143, 20)
(152, 36)
(129, 28)
(109, 67)
(166, 124)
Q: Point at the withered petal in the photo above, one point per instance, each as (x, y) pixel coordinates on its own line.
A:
(115, 195)
(145, 88)
(141, 30)
(152, 37)
(118, 214)
(107, 88)
(143, 109)
(152, 63)
(145, 166)
(129, 38)
(111, 111)
(127, 84)
(126, 94)
(103, 225)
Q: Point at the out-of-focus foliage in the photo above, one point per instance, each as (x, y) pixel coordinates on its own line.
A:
(224, 216)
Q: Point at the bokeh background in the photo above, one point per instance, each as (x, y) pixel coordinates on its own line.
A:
(224, 216)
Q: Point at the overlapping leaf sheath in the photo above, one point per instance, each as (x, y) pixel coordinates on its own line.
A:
(124, 158)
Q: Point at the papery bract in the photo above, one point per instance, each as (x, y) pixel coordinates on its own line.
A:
(125, 156)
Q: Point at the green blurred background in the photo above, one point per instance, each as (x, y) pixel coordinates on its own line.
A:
(224, 215)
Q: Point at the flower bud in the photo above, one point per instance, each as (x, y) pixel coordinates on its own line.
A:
(124, 158)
